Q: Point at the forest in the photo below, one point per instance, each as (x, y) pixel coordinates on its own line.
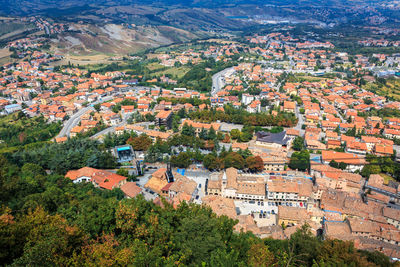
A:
(238, 116)
(59, 158)
(18, 130)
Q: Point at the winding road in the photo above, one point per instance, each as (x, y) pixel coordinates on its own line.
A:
(76, 118)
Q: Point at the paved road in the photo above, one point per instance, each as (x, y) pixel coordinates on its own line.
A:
(76, 118)
(108, 130)
(218, 81)
(300, 121)
(73, 121)
(112, 128)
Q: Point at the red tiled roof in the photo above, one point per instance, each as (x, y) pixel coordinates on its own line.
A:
(103, 179)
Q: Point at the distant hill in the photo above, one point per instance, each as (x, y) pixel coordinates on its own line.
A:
(116, 39)
(147, 23)
(48, 7)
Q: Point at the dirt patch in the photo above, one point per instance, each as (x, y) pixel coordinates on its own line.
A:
(84, 60)
(4, 52)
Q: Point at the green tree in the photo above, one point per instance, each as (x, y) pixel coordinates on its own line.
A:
(255, 164)
(367, 170)
(212, 135)
(235, 134)
(140, 143)
(183, 160)
(334, 164)
(203, 134)
(188, 130)
(300, 160)
(97, 107)
(123, 172)
(235, 160)
(298, 143)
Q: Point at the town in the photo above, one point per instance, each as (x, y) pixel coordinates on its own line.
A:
(290, 132)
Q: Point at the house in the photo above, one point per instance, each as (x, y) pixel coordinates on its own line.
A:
(237, 187)
(354, 162)
(292, 133)
(254, 107)
(164, 118)
(337, 230)
(370, 142)
(329, 135)
(328, 126)
(347, 139)
(214, 186)
(379, 198)
(239, 146)
(182, 185)
(356, 148)
(273, 140)
(333, 144)
(221, 206)
(314, 145)
(61, 139)
(99, 178)
(199, 126)
(111, 118)
(274, 163)
(157, 181)
(130, 189)
(392, 216)
(291, 215)
(12, 108)
(391, 133)
(76, 130)
(361, 227)
(289, 106)
(376, 184)
(329, 177)
(283, 191)
(154, 135)
(247, 99)
(127, 110)
(383, 150)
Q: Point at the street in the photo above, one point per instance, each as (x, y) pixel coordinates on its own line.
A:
(300, 121)
(76, 118)
(218, 81)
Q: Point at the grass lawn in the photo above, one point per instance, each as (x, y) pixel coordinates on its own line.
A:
(154, 66)
(387, 178)
(175, 72)
(392, 89)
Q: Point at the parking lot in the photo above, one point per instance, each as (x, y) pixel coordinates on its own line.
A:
(250, 207)
(200, 178)
(264, 207)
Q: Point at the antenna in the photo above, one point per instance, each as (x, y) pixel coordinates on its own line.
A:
(138, 168)
(170, 176)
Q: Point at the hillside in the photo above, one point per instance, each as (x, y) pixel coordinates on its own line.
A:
(89, 39)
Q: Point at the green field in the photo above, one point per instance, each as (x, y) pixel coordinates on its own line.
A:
(174, 72)
(8, 29)
(391, 89)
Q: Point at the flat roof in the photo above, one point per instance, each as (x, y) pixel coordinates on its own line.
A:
(123, 148)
